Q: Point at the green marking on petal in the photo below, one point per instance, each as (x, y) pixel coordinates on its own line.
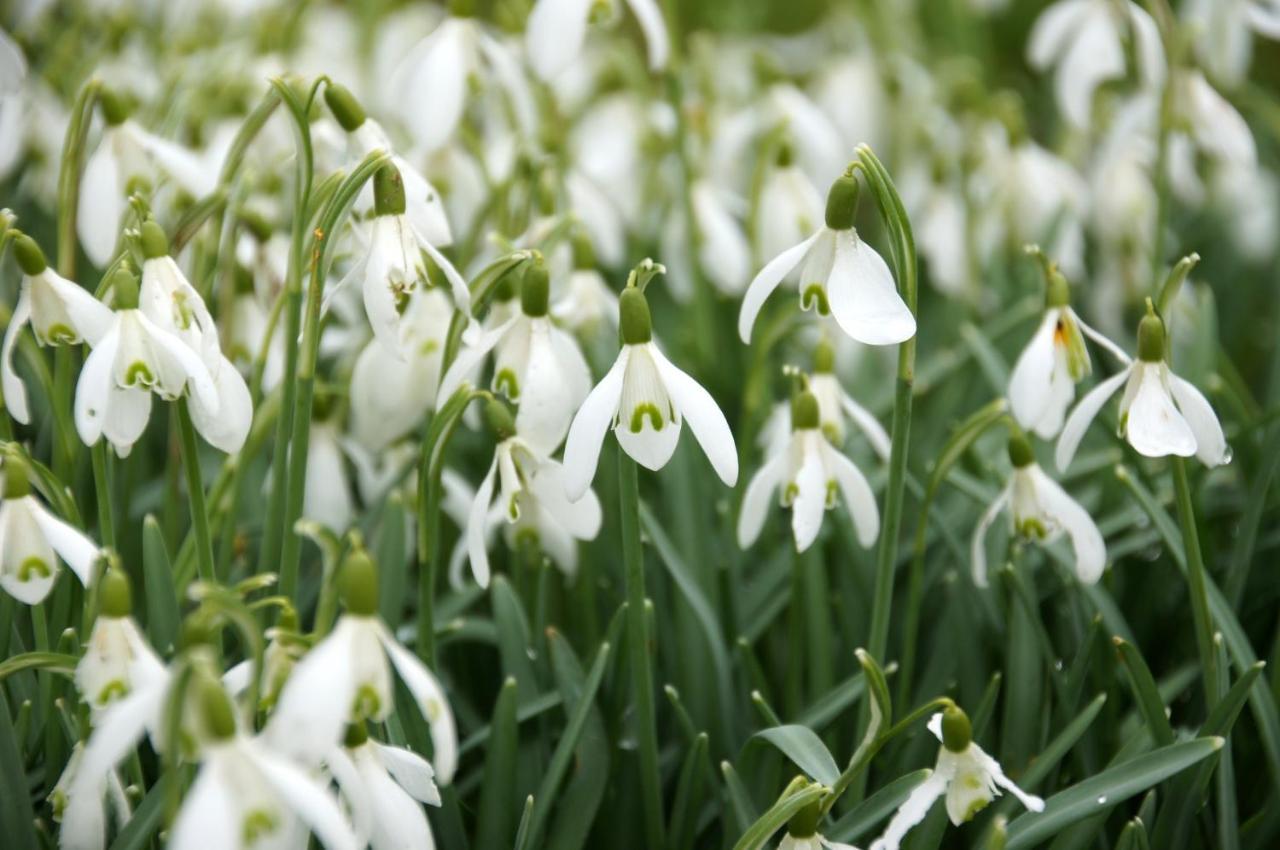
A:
(815, 297)
(1032, 528)
(976, 806)
(640, 412)
(833, 490)
(34, 567)
(789, 493)
(366, 704)
(507, 383)
(258, 824)
(138, 375)
(60, 334)
(113, 690)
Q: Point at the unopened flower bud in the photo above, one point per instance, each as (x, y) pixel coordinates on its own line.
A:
(124, 288)
(1020, 453)
(17, 481)
(344, 106)
(29, 256)
(115, 108)
(805, 414)
(1151, 338)
(499, 418)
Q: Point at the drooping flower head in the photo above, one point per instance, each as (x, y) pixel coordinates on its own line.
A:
(32, 540)
(118, 660)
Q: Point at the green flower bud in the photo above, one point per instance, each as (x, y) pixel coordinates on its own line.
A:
(215, 706)
(388, 191)
(124, 288)
(842, 203)
(804, 823)
(29, 256)
(634, 320)
(358, 583)
(1151, 338)
(154, 243)
(498, 415)
(1020, 453)
(115, 595)
(805, 414)
(115, 107)
(824, 358)
(535, 289)
(357, 734)
(957, 732)
(17, 477)
(344, 106)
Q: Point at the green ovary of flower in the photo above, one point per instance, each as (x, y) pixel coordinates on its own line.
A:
(814, 297)
(34, 567)
(640, 412)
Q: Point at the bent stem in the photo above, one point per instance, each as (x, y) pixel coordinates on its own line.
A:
(638, 648)
(195, 492)
(1196, 582)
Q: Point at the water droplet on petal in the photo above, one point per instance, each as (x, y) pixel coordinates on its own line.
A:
(1226, 456)
(1102, 800)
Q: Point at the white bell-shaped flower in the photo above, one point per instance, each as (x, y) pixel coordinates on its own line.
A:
(536, 365)
(384, 789)
(968, 777)
(1042, 384)
(645, 399)
(531, 500)
(557, 29)
(392, 265)
(133, 359)
(327, 497)
(1160, 413)
(346, 678)
(1041, 511)
(423, 204)
(32, 540)
(1224, 33)
(809, 473)
(789, 206)
(1084, 40)
(92, 832)
(839, 275)
(60, 313)
(245, 795)
(128, 152)
(723, 256)
(168, 299)
(587, 303)
(117, 660)
(250, 322)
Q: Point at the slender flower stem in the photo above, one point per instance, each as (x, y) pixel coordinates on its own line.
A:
(102, 493)
(638, 647)
(1196, 581)
(195, 492)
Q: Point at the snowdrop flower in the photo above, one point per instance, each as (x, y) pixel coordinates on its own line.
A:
(392, 266)
(809, 472)
(1054, 360)
(326, 496)
(644, 398)
(423, 204)
(117, 659)
(834, 404)
(724, 255)
(131, 360)
(557, 29)
(127, 152)
(788, 208)
(250, 321)
(802, 832)
(32, 540)
(840, 275)
(244, 793)
(391, 395)
(346, 679)
(59, 312)
(1160, 413)
(384, 788)
(968, 777)
(587, 302)
(1085, 41)
(91, 833)
(432, 80)
(531, 499)
(1041, 510)
(1224, 30)
(172, 303)
(1207, 126)
(537, 365)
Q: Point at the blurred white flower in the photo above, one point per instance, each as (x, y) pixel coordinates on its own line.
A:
(723, 256)
(557, 29)
(1224, 33)
(788, 208)
(384, 788)
(117, 659)
(34, 539)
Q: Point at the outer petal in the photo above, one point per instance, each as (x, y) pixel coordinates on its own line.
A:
(315, 702)
(94, 387)
(1211, 443)
(725, 255)
(15, 392)
(810, 502)
(1085, 411)
(554, 35)
(227, 426)
(431, 702)
(1030, 382)
(470, 358)
(199, 381)
(586, 433)
(655, 31)
(1052, 31)
(436, 92)
(864, 298)
(755, 504)
(768, 279)
(457, 284)
(1152, 424)
(70, 543)
(582, 519)
(397, 819)
(699, 409)
(911, 812)
(209, 818)
(411, 771)
(119, 728)
(1093, 57)
(101, 204)
(978, 547)
(553, 376)
(1031, 801)
(352, 790)
(868, 424)
(1086, 539)
(307, 798)
(855, 490)
(477, 539)
(1111, 348)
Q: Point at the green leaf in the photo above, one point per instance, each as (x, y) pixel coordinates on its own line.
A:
(513, 637)
(805, 749)
(55, 662)
(393, 561)
(1145, 693)
(16, 815)
(582, 795)
(162, 598)
(688, 797)
(777, 816)
(498, 792)
(740, 802)
(1105, 790)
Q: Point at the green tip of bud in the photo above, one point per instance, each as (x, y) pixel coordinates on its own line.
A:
(498, 415)
(842, 203)
(358, 583)
(115, 108)
(29, 256)
(1151, 338)
(804, 411)
(1057, 291)
(535, 290)
(154, 242)
(824, 358)
(957, 732)
(1020, 452)
(344, 106)
(215, 705)
(804, 823)
(124, 288)
(357, 734)
(115, 596)
(634, 321)
(584, 254)
(17, 477)
(388, 191)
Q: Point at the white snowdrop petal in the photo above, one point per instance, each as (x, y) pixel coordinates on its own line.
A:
(581, 519)
(470, 358)
(411, 771)
(90, 318)
(856, 492)
(863, 296)
(810, 503)
(15, 392)
(306, 797)
(93, 388)
(315, 702)
(101, 204)
(756, 501)
(586, 433)
(1030, 381)
(71, 544)
(475, 533)
(868, 424)
(554, 35)
(1085, 411)
(1152, 424)
(227, 427)
(696, 406)
(1031, 801)
(431, 701)
(1086, 539)
(766, 281)
(209, 818)
(1211, 443)
(654, 27)
(978, 546)
(1052, 30)
(911, 812)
